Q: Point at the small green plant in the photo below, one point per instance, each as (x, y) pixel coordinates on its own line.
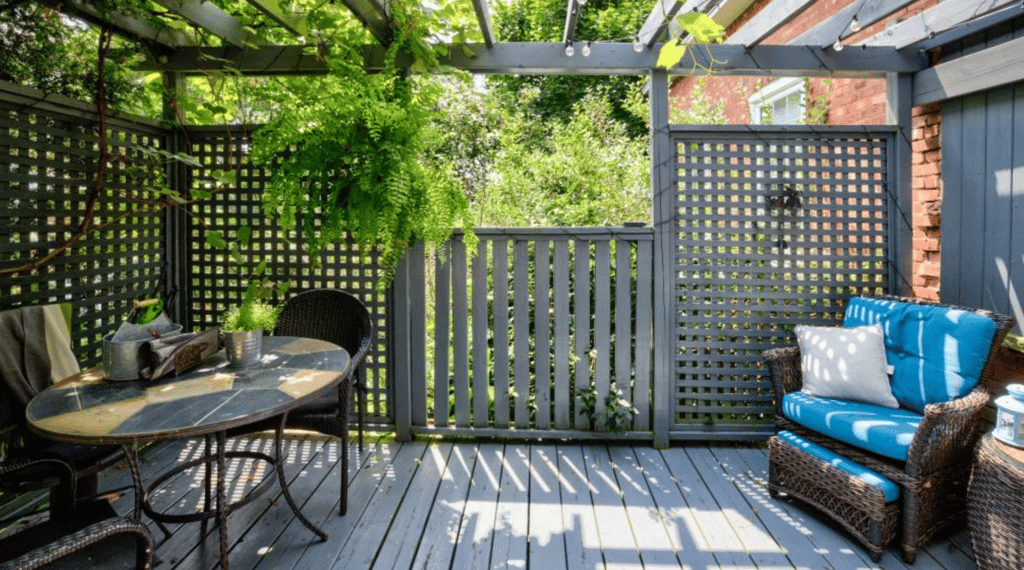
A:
(817, 107)
(255, 312)
(619, 412)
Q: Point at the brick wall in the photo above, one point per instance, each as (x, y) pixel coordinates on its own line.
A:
(852, 101)
(927, 192)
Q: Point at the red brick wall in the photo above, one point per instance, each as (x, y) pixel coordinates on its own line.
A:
(854, 101)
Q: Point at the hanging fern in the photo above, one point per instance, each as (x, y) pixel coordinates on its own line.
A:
(345, 159)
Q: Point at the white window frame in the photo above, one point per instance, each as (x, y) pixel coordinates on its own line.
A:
(778, 89)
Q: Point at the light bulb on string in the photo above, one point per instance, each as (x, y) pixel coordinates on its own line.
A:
(855, 25)
(569, 50)
(638, 46)
(838, 46)
(585, 50)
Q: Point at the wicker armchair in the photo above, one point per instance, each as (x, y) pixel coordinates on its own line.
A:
(341, 318)
(934, 478)
(94, 538)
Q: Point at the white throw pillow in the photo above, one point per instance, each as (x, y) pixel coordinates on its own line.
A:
(848, 364)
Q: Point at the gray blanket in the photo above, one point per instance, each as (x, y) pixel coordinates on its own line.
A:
(24, 361)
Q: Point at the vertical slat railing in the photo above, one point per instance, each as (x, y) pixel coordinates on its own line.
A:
(542, 333)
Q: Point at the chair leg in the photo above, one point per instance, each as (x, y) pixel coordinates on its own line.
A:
(344, 469)
(361, 394)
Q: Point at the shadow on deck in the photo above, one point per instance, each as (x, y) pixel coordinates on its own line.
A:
(510, 505)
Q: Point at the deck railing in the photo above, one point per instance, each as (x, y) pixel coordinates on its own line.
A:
(544, 329)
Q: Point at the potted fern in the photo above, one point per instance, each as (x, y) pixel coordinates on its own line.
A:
(243, 325)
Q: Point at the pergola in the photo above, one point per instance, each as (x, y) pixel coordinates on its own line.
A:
(899, 54)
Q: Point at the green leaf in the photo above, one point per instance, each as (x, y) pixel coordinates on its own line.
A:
(671, 54)
(703, 29)
(244, 233)
(261, 268)
(201, 195)
(215, 238)
(236, 256)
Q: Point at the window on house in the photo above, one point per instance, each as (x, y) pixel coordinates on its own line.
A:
(781, 102)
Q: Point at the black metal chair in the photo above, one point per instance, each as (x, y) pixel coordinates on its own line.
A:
(339, 317)
(93, 538)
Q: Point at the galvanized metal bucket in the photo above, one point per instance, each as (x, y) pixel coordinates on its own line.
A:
(243, 348)
(121, 359)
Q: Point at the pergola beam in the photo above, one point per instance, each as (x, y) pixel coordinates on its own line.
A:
(294, 23)
(838, 26)
(936, 19)
(572, 16)
(483, 17)
(658, 20)
(210, 18)
(550, 59)
(971, 27)
(125, 26)
(767, 21)
(972, 73)
(375, 17)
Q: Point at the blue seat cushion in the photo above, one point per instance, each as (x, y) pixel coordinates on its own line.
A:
(937, 353)
(888, 488)
(885, 431)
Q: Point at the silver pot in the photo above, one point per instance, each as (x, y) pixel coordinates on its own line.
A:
(243, 348)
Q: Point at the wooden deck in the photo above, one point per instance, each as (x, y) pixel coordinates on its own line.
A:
(513, 505)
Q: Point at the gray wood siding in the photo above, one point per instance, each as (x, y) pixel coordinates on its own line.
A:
(983, 201)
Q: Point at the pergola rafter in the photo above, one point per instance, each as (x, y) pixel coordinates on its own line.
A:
(210, 18)
(123, 25)
(294, 23)
(661, 16)
(375, 17)
(771, 18)
(572, 17)
(936, 19)
(841, 24)
(483, 18)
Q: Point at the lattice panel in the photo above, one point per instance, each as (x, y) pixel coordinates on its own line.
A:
(49, 159)
(215, 282)
(772, 230)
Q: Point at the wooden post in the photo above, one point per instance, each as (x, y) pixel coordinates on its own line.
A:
(401, 379)
(662, 185)
(418, 334)
(175, 220)
(899, 91)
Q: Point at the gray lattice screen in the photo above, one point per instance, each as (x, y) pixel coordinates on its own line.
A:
(215, 282)
(48, 149)
(772, 229)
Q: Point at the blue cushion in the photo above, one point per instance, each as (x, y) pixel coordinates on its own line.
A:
(885, 431)
(889, 489)
(937, 353)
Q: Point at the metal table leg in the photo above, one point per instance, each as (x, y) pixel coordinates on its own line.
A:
(279, 467)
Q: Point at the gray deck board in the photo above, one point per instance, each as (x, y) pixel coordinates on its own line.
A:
(456, 505)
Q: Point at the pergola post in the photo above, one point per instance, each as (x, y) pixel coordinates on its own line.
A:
(175, 219)
(899, 93)
(662, 185)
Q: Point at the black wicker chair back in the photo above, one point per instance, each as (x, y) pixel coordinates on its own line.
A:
(339, 317)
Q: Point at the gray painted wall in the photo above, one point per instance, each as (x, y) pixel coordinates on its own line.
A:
(983, 201)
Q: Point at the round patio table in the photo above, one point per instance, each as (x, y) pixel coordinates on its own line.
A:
(208, 400)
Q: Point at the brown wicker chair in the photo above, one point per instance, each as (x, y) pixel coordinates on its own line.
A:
(934, 478)
(339, 317)
(93, 538)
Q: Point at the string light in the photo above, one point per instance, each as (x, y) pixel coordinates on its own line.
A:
(569, 50)
(586, 50)
(838, 46)
(855, 25)
(638, 46)
(581, 2)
